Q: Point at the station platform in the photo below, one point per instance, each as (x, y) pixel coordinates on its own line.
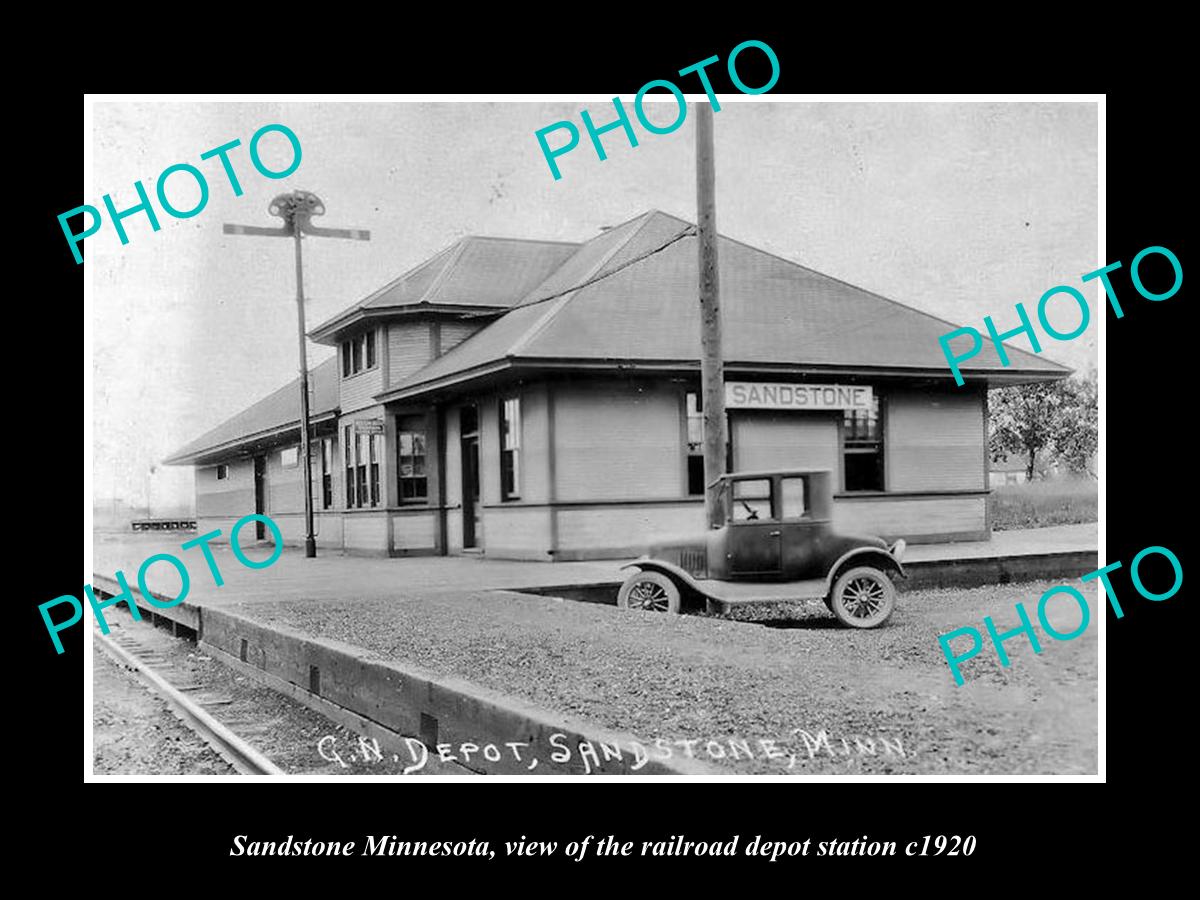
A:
(1059, 552)
(460, 653)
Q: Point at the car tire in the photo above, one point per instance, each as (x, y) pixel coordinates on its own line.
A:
(863, 597)
(650, 591)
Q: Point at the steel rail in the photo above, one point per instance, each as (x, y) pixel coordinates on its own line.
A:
(228, 745)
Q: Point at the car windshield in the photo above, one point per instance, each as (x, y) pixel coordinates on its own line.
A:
(751, 500)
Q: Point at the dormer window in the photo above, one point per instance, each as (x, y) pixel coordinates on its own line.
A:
(358, 354)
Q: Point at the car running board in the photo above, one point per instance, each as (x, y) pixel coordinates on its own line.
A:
(722, 597)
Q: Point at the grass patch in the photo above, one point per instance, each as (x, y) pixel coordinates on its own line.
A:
(1063, 501)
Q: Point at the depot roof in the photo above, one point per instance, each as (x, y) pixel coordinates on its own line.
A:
(270, 420)
(481, 273)
(628, 298)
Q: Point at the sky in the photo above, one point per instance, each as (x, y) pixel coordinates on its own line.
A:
(958, 209)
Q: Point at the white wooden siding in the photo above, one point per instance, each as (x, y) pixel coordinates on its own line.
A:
(914, 519)
(934, 441)
(626, 528)
(454, 333)
(614, 441)
(232, 496)
(408, 348)
(414, 531)
(365, 531)
(764, 441)
(517, 532)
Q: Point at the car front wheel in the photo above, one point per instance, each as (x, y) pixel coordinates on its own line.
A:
(862, 597)
(651, 591)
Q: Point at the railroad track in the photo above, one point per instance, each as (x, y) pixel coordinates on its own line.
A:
(256, 728)
(128, 651)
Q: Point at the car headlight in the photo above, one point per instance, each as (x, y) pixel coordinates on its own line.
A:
(897, 549)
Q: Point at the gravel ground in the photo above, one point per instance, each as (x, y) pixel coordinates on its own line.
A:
(135, 733)
(694, 678)
(294, 737)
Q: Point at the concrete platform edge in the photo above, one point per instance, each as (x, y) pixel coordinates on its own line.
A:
(434, 709)
(359, 691)
(389, 741)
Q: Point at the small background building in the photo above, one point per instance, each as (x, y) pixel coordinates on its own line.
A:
(540, 400)
(1011, 471)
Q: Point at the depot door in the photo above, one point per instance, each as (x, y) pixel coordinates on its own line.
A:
(469, 431)
(764, 440)
(260, 496)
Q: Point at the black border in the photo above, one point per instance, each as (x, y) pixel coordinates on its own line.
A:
(1146, 444)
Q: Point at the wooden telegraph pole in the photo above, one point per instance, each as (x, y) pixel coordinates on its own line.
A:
(297, 209)
(712, 367)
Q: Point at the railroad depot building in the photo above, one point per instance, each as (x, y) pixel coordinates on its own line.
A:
(534, 399)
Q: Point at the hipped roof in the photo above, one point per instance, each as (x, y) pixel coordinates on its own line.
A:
(271, 419)
(481, 273)
(628, 298)
(638, 306)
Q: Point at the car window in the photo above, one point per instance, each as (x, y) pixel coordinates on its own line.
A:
(751, 500)
(793, 497)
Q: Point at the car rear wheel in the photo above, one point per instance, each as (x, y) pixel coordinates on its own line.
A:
(863, 597)
(650, 591)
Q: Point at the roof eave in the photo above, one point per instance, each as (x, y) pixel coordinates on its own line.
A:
(404, 392)
(331, 333)
(976, 375)
(194, 457)
(992, 378)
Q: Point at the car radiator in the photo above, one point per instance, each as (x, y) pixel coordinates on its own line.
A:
(694, 562)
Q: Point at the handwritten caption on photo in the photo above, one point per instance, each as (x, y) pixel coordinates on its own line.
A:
(592, 756)
(126, 595)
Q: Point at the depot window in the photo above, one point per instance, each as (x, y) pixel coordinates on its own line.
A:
(695, 445)
(862, 448)
(362, 469)
(358, 354)
(376, 457)
(410, 459)
(326, 473)
(510, 448)
(348, 448)
(222, 472)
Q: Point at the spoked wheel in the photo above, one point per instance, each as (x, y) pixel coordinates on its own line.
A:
(650, 591)
(863, 597)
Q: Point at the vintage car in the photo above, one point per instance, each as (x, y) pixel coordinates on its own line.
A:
(776, 544)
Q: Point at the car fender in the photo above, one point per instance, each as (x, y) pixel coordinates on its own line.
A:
(680, 576)
(882, 559)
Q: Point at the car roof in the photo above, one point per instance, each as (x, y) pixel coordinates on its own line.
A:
(770, 473)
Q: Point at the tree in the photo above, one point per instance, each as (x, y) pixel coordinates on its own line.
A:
(1055, 419)
(1075, 440)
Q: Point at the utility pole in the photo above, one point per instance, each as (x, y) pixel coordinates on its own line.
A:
(297, 209)
(712, 367)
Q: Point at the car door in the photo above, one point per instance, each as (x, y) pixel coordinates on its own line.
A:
(803, 537)
(754, 530)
